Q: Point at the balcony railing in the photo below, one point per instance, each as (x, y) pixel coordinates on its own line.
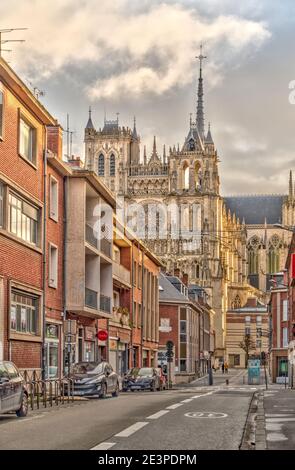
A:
(91, 298)
(90, 237)
(105, 303)
(121, 272)
(105, 247)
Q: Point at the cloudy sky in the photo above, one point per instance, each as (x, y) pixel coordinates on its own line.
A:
(136, 57)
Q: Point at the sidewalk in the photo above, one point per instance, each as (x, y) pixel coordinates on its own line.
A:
(279, 413)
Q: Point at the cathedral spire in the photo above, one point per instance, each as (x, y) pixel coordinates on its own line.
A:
(291, 185)
(154, 155)
(164, 154)
(200, 105)
(144, 155)
(134, 132)
(209, 139)
(89, 124)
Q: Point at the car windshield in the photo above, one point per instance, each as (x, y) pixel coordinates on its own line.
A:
(133, 371)
(88, 368)
(146, 372)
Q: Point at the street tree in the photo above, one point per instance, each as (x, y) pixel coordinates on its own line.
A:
(247, 345)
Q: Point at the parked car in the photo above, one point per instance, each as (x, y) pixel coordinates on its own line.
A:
(94, 379)
(146, 379)
(13, 392)
(129, 378)
(163, 378)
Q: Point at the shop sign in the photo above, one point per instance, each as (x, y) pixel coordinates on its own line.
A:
(89, 334)
(51, 331)
(102, 335)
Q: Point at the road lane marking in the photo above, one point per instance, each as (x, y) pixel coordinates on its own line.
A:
(104, 446)
(274, 415)
(173, 407)
(188, 400)
(158, 414)
(132, 429)
(279, 420)
(205, 414)
(197, 396)
(276, 437)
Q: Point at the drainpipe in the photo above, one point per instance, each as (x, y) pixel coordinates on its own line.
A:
(65, 227)
(43, 358)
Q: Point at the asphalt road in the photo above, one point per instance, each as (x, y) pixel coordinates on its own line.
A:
(140, 420)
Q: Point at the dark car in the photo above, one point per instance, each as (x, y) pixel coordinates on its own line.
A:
(129, 378)
(13, 393)
(94, 379)
(147, 379)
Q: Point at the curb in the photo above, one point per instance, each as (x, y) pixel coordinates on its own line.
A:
(254, 435)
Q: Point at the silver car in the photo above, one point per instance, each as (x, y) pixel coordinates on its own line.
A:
(13, 394)
(94, 379)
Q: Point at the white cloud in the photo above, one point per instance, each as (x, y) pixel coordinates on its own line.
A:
(154, 44)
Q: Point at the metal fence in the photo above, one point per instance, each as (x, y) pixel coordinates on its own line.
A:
(49, 392)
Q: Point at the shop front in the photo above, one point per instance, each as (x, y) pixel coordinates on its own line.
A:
(52, 351)
(118, 355)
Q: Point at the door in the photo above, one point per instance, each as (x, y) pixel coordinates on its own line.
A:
(5, 392)
(15, 385)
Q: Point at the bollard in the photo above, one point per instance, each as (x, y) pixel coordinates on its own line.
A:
(227, 381)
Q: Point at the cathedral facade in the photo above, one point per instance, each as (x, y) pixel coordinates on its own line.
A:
(200, 236)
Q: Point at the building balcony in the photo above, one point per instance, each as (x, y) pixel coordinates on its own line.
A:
(106, 247)
(90, 237)
(121, 274)
(91, 298)
(105, 303)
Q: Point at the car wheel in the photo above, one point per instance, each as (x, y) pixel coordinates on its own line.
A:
(116, 392)
(103, 392)
(23, 411)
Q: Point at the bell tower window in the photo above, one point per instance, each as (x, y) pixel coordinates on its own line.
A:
(101, 165)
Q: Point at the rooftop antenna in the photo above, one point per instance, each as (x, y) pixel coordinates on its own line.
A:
(36, 91)
(4, 41)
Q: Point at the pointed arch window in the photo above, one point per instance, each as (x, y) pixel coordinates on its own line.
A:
(237, 302)
(253, 255)
(185, 176)
(273, 257)
(101, 165)
(112, 165)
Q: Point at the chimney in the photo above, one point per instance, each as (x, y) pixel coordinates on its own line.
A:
(185, 279)
(251, 302)
(177, 272)
(75, 162)
(54, 140)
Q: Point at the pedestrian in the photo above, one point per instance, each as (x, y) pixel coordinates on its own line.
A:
(222, 367)
(226, 367)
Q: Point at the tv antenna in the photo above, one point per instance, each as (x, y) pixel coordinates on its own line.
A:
(36, 91)
(69, 134)
(5, 41)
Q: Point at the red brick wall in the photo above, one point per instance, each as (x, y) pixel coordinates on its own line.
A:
(19, 262)
(55, 231)
(171, 312)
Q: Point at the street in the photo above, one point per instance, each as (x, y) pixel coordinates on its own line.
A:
(141, 420)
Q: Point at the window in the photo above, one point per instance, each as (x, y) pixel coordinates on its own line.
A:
(134, 273)
(116, 254)
(1, 113)
(23, 219)
(139, 316)
(1, 204)
(258, 343)
(185, 176)
(101, 165)
(24, 313)
(53, 204)
(183, 331)
(53, 265)
(285, 337)
(112, 165)
(27, 141)
(182, 365)
(285, 310)
(273, 260)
